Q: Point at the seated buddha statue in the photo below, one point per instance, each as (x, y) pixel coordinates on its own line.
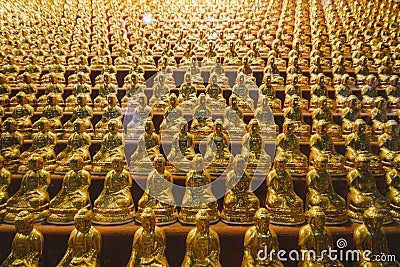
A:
(350, 114)
(10, 144)
(319, 90)
(30, 90)
(393, 193)
(254, 55)
(5, 92)
(370, 239)
(214, 96)
(53, 113)
(85, 242)
(5, 179)
(10, 69)
(267, 90)
(158, 194)
(218, 149)
(362, 70)
(73, 195)
(187, 92)
(389, 143)
(284, 206)
(22, 113)
(123, 60)
(316, 237)
(198, 194)
(233, 119)
(159, 99)
(253, 148)
(107, 88)
(32, 195)
(379, 115)
(272, 68)
(80, 88)
(369, 92)
(140, 113)
(55, 89)
(358, 143)
(152, 140)
(202, 123)
(294, 89)
(363, 192)
(27, 245)
(231, 56)
(321, 193)
(55, 67)
(82, 111)
(210, 56)
(111, 112)
(246, 69)
(167, 71)
(294, 68)
(392, 92)
(218, 69)
(342, 91)
(287, 145)
(115, 205)
(294, 113)
(43, 144)
(242, 91)
(78, 144)
(33, 68)
(173, 116)
(322, 113)
(385, 70)
(240, 203)
(338, 69)
(133, 90)
(112, 145)
(195, 72)
(265, 117)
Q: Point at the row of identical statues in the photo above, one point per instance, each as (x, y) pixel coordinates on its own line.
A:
(261, 247)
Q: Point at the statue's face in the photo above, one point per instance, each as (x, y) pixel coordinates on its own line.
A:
(82, 224)
(159, 164)
(262, 225)
(23, 227)
(240, 165)
(280, 165)
(80, 101)
(35, 164)
(148, 224)
(148, 127)
(118, 164)
(218, 128)
(202, 225)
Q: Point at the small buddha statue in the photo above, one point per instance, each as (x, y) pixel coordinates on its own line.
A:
(294, 113)
(198, 194)
(80, 88)
(393, 92)
(115, 204)
(392, 181)
(140, 113)
(218, 69)
(27, 245)
(362, 70)
(246, 69)
(267, 89)
(173, 116)
(10, 69)
(214, 96)
(187, 92)
(43, 144)
(218, 149)
(30, 90)
(210, 56)
(254, 55)
(32, 195)
(112, 145)
(370, 240)
(182, 151)
(202, 123)
(319, 90)
(10, 144)
(111, 112)
(202, 243)
(133, 90)
(78, 144)
(149, 243)
(53, 113)
(82, 111)
(85, 242)
(5, 179)
(316, 237)
(284, 206)
(342, 91)
(73, 195)
(152, 140)
(54, 88)
(386, 69)
(294, 89)
(140, 163)
(22, 113)
(231, 56)
(265, 117)
(358, 143)
(158, 194)
(389, 143)
(159, 99)
(233, 119)
(369, 92)
(107, 88)
(195, 72)
(240, 203)
(322, 113)
(288, 146)
(5, 91)
(321, 193)
(350, 114)
(363, 192)
(242, 91)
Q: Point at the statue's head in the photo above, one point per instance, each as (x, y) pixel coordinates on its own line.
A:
(159, 163)
(83, 220)
(280, 163)
(261, 220)
(359, 126)
(148, 219)
(202, 221)
(316, 217)
(118, 163)
(44, 125)
(35, 162)
(373, 218)
(24, 222)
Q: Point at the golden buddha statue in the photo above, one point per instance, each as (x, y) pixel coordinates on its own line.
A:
(140, 114)
(265, 117)
(350, 114)
(386, 69)
(389, 143)
(106, 88)
(30, 90)
(288, 146)
(81, 88)
(111, 112)
(5, 179)
(362, 70)
(159, 99)
(173, 116)
(218, 69)
(158, 194)
(167, 72)
(319, 90)
(392, 92)
(33, 68)
(316, 237)
(115, 204)
(392, 181)
(284, 206)
(231, 56)
(247, 71)
(254, 55)
(112, 145)
(54, 88)
(202, 243)
(187, 92)
(182, 151)
(133, 90)
(5, 91)
(210, 56)
(240, 203)
(294, 89)
(32, 195)
(294, 113)
(242, 91)
(85, 242)
(43, 144)
(22, 113)
(370, 240)
(363, 192)
(202, 123)
(218, 149)
(233, 119)
(379, 116)
(214, 94)
(149, 243)
(10, 144)
(73, 195)
(78, 144)
(358, 143)
(10, 69)
(320, 193)
(267, 90)
(342, 91)
(369, 92)
(27, 245)
(257, 238)
(198, 194)
(53, 113)
(322, 113)
(82, 111)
